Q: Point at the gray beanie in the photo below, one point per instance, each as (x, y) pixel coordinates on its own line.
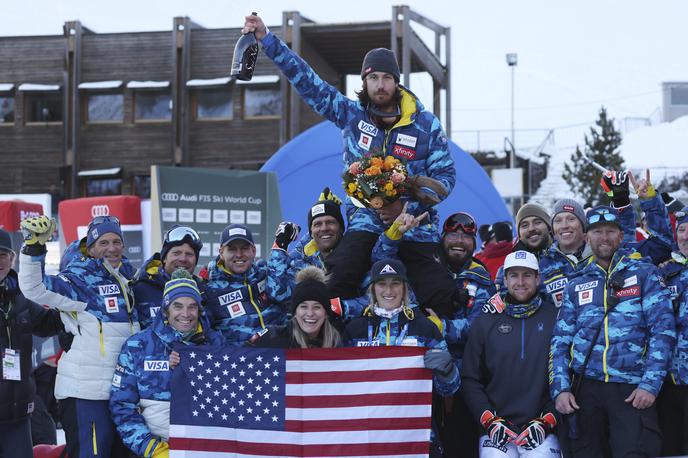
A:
(570, 206)
(532, 209)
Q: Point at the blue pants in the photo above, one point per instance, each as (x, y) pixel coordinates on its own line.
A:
(89, 430)
(16, 439)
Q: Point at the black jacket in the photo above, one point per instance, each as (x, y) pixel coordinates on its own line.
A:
(505, 365)
(282, 337)
(20, 318)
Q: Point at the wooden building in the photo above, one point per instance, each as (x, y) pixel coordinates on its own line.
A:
(88, 113)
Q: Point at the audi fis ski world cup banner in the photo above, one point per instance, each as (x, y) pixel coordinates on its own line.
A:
(208, 200)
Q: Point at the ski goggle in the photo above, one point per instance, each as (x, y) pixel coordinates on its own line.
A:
(183, 233)
(104, 219)
(460, 221)
(600, 216)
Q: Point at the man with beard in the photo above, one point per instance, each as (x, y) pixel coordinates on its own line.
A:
(388, 118)
(504, 373)
(615, 334)
(532, 224)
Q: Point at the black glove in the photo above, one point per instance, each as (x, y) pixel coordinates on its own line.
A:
(440, 361)
(615, 184)
(460, 299)
(286, 233)
(672, 203)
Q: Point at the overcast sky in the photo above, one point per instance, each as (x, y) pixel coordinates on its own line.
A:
(573, 55)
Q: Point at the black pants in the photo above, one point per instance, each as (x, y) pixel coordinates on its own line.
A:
(672, 409)
(605, 419)
(461, 431)
(15, 440)
(350, 262)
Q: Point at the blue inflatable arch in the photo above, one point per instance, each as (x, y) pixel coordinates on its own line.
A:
(313, 160)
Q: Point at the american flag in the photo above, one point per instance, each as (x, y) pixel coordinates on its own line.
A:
(344, 402)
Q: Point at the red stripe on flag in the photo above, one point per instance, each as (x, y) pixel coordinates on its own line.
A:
(382, 399)
(330, 354)
(411, 373)
(264, 449)
(358, 424)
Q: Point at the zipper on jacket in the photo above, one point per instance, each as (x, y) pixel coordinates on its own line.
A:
(7, 324)
(102, 338)
(608, 274)
(255, 306)
(523, 339)
(93, 435)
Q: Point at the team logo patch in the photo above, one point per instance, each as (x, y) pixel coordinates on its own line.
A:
(409, 342)
(630, 281)
(568, 208)
(490, 444)
(520, 255)
(94, 234)
(406, 140)
(237, 231)
(674, 291)
(108, 290)
(156, 366)
(585, 297)
(111, 305)
(367, 128)
(364, 141)
(631, 291)
(261, 287)
(116, 380)
(406, 153)
(318, 209)
(154, 311)
(588, 285)
(230, 297)
(541, 326)
(495, 304)
(558, 298)
(365, 343)
(388, 270)
(504, 328)
(236, 309)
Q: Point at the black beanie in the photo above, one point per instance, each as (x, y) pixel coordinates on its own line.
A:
(310, 286)
(166, 247)
(380, 60)
(325, 208)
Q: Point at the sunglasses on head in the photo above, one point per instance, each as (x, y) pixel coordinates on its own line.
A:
(601, 215)
(460, 221)
(180, 233)
(104, 219)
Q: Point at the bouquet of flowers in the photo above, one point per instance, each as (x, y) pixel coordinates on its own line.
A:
(376, 180)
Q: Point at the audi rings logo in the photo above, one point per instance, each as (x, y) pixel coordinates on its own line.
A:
(170, 196)
(100, 210)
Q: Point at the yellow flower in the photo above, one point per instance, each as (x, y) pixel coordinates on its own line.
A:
(390, 162)
(351, 188)
(359, 194)
(389, 186)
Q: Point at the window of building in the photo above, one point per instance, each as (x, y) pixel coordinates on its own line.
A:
(43, 107)
(262, 101)
(142, 186)
(679, 95)
(213, 103)
(105, 108)
(103, 187)
(152, 106)
(6, 109)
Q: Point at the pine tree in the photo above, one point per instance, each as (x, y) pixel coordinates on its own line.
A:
(602, 146)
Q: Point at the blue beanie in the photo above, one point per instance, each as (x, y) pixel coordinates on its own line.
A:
(180, 286)
(681, 216)
(102, 225)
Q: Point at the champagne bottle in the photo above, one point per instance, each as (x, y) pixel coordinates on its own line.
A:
(245, 55)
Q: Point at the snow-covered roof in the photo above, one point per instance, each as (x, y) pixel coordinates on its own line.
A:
(662, 145)
(38, 87)
(262, 79)
(100, 172)
(147, 84)
(101, 85)
(4, 87)
(209, 82)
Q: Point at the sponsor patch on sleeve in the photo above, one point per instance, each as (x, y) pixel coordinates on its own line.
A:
(364, 141)
(631, 291)
(585, 297)
(111, 305)
(236, 309)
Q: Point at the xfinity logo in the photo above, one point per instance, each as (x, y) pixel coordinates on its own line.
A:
(156, 365)
(100, 210)
(170, 196)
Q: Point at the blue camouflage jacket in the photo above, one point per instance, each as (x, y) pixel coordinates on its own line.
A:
(148, 285)
(241, 305)
(417, 138)
(403, 329)
(556, 268)
(306, 254)
(140, 393)
(658, 246)
(675, 273)
(637, 336)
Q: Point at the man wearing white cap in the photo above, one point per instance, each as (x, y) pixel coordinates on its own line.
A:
(504, 372)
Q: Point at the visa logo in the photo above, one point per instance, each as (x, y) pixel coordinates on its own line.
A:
(108, 290)
(557, 285)
(234, 296)
(367, 128)
(588, 285)
(156, 365)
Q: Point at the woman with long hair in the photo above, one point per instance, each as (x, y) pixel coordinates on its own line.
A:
(310, 325)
